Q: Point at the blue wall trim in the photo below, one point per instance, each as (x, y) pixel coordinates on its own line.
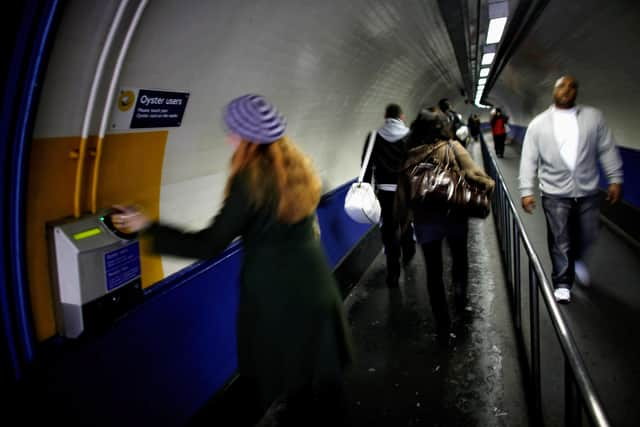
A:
(163, 361)
(26, 116)
(24, 74)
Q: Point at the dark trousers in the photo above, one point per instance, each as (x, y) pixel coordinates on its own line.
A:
(498, 141)
(432, 252)
(572, 227)
(394, 243)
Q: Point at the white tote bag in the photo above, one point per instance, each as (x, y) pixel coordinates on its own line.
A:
(361, 203)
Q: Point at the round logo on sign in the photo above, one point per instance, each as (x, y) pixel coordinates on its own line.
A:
(126, 100)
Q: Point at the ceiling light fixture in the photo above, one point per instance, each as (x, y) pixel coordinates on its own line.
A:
(496, 28)
(487, 58)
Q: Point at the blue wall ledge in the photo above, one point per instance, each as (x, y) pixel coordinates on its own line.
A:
(159, 364)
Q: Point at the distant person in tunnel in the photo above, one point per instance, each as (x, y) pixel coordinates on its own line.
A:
(498, 123)
(429, 140)
(454, 119)
(387, 159)
(561, 147)
(474, 126)
(293, 340)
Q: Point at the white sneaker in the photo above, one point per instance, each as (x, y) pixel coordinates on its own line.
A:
(562, 295)
(582, 274)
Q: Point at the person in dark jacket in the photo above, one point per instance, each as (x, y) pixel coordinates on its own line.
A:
(429, 139)
(387, 158)
(454, 119)
(474, 126)
(292, 336)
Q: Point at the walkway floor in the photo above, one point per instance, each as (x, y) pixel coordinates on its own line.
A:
(405, 377)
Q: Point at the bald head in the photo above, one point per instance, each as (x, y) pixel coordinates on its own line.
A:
(565, 92)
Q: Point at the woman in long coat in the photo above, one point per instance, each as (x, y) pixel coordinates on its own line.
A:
(293, 340)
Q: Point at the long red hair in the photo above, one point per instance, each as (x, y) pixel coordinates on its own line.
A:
(283, 166)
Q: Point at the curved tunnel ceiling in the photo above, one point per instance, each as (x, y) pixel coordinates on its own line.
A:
(330, 66)
(593, 40)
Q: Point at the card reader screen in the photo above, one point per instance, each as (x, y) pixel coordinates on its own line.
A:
(87, 233)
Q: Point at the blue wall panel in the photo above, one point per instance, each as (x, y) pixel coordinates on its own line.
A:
(159, 364)
(338, 232)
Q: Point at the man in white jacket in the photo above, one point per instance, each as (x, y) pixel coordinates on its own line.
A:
(562, 146)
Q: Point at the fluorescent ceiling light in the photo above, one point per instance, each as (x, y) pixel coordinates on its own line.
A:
(480, 87)
(487, 58)
(482, 81)
(484, 72)
(496, 28)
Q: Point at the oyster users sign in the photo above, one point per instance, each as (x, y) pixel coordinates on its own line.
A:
(151, 109)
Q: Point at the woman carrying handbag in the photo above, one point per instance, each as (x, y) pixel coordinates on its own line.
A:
(431, 142)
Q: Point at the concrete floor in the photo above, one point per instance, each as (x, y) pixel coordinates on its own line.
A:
(405, 377)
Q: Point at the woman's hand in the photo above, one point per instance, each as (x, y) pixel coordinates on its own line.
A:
(129, 219)
(478, 175)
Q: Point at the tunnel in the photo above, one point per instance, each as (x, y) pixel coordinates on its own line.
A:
(121, 102)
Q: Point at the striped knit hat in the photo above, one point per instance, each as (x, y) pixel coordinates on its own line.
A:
(254, 119)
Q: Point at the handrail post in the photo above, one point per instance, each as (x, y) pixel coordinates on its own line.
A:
(508, 247)
(503, 219)
(535, 346)
(572, 407)
(516, 282)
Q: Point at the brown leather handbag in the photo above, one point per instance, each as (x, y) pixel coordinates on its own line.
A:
(439, 184)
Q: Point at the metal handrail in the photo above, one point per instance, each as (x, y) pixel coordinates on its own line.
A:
(506, 215)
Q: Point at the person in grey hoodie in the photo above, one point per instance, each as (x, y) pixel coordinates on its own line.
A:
(562, 146)
(388, 157)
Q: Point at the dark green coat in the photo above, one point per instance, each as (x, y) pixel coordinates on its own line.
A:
(291, 328)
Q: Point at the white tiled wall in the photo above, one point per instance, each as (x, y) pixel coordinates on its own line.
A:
(330, 66)
(190, 204)
(596, 48)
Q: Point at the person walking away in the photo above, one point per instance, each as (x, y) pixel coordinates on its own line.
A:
(454, 119)
(387, 158)
(429, 140)
(473, 123)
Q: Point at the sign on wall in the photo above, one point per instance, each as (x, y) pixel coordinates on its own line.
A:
(146, 108)
(122, 265)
